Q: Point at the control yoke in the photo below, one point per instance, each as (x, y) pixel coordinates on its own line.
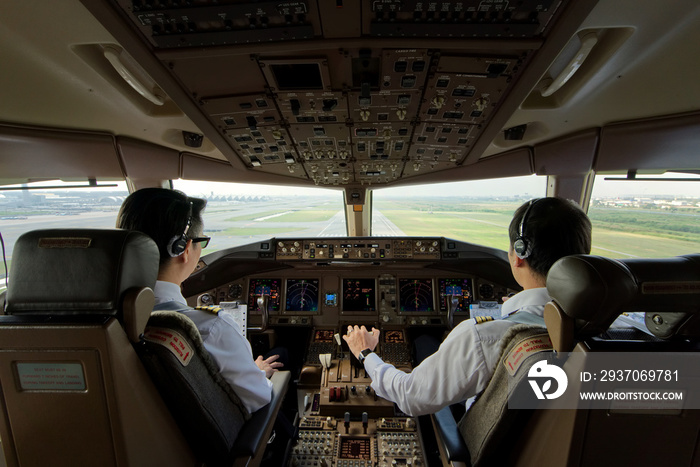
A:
(452, 305)
(263, 302)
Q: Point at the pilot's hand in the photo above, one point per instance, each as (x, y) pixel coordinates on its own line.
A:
(269, 365)
(359, 339)
(507, 297)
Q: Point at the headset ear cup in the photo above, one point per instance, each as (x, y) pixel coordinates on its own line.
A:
(521, 248)
(177, 245)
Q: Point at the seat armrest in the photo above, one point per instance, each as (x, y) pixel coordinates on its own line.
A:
(451, 437)
(256, 431)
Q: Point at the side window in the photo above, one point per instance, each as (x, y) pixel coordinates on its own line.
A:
(646, 219)
(47, 208)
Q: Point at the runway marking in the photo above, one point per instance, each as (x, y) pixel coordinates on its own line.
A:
(332, 221)
(259, 219)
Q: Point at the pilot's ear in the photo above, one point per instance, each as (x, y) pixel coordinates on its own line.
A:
(515, 261)
(185, 256)
(519, 262)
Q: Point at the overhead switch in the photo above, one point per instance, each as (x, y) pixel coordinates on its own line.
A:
(296, 105)
(329, 105)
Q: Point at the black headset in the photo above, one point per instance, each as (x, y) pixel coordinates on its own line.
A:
(178, 244)
(522, 246)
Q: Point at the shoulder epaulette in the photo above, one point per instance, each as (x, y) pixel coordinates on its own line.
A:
(482, 319)
(210, 308)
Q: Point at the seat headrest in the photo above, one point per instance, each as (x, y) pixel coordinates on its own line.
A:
(591, 289)
(78, 271)
(595, 290)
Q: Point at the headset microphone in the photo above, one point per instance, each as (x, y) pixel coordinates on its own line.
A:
(521, 245)
(178, 244)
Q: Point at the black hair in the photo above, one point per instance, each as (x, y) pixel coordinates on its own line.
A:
(554, 227)
(162, 214)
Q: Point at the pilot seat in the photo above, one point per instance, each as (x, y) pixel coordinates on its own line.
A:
(74, 390)
(589, 293)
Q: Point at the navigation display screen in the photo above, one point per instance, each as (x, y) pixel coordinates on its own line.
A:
(416, 295)
(460, 288)
(260, 287)
(302, 295)
(359, 295)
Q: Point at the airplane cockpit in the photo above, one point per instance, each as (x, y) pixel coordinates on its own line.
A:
(333, 142)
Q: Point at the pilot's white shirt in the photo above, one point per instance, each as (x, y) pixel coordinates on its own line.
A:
(231, 351)
(459, 369)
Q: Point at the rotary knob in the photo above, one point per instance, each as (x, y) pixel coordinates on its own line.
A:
(206, 299)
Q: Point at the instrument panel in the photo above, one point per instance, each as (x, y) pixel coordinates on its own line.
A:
(393, 297)
(383, 280)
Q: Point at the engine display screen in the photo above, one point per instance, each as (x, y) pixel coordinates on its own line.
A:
(359, 295)
(355, 448)
(460, 288)
(302, 295)
(260, 287)
(324, 335)
(393, 336)
(416, 295)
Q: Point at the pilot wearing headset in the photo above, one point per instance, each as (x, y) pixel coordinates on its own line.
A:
(541, 231)
(174, 221)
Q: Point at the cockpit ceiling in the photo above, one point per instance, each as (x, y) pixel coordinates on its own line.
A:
(336, 92)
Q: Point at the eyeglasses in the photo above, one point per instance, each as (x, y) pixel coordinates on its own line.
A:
(203, 240)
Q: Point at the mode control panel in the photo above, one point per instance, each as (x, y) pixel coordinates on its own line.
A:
(358, 249)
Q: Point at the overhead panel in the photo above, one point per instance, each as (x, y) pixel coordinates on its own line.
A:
(459, 19)
(325, 151)
(387, 89)
(459, 99)
(246, 111)
(387, 85)
(292, 89)
(171, 24)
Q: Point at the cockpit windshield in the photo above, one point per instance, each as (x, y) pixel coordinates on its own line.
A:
(630, 219)
(238, 213)
(475, 212)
